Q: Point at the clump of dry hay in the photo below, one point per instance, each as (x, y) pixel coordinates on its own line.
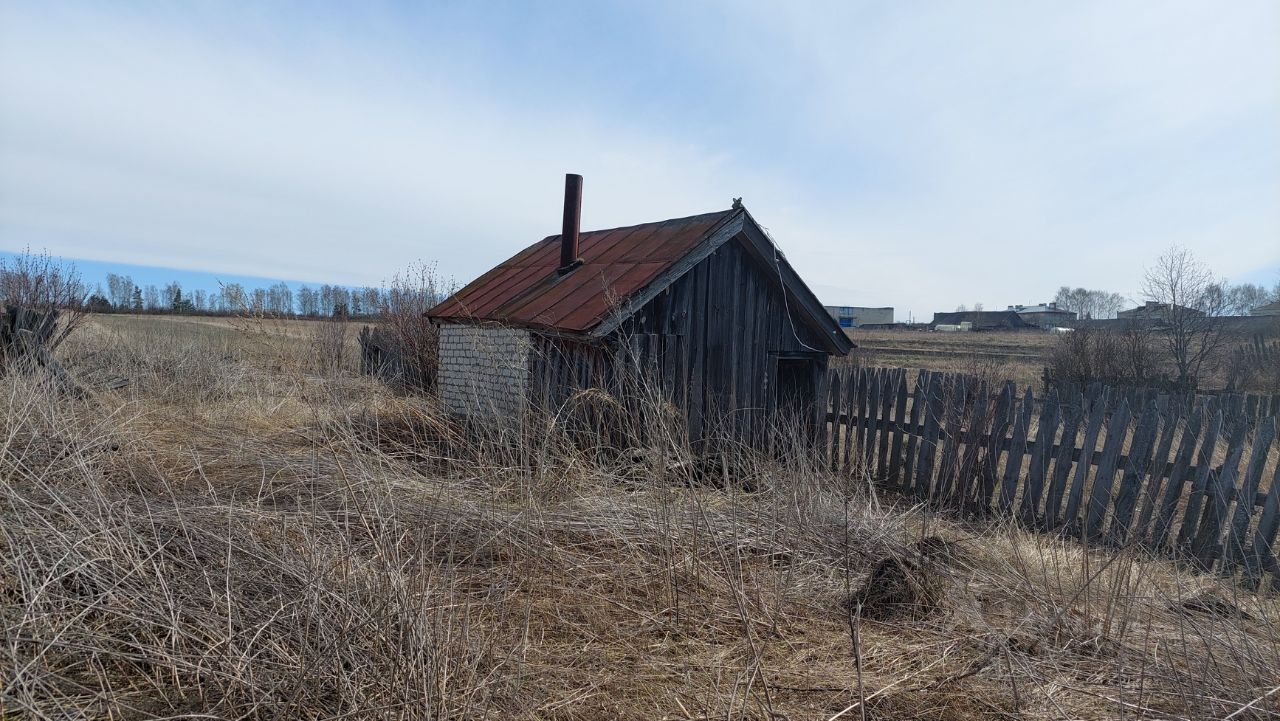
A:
(904, 584)
(272, 551)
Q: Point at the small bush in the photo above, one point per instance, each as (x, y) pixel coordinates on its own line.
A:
(1126, 357)
(407, 339)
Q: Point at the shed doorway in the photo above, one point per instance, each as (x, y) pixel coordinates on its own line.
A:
(796, 387)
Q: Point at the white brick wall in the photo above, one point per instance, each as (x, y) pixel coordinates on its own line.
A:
(484, 371)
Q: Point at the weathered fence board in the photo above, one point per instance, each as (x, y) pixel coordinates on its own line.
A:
(1062, 463)
(1156, 479)
(1100, 497)
(1235, 550)
(900, 406)
(1076, 496)
(1013, 465)
(1131, 476)
(1034, 485)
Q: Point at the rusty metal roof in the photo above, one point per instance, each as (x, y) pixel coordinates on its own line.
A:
(526, 290)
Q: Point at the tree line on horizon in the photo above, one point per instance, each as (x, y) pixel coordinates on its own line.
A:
(1217, 298)
(122, 295)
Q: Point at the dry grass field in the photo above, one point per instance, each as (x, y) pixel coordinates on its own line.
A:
(1013, 355)
(250, 530)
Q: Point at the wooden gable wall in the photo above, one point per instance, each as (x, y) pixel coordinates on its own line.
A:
(714, 336)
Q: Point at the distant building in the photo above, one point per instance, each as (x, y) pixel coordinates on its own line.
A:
(981, 320)
(852, 316)
(1152, 310)
(1044, 315)
(1270, 309)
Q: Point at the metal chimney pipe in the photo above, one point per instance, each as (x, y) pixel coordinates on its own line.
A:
(572, 222)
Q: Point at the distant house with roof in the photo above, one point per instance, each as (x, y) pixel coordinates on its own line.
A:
(981, 320)
(706, 307)
(1044, 315)
(1270, 309)
(1151, 310)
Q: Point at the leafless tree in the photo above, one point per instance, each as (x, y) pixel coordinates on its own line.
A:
(233, 299)
(1190, 300)
(1127, 355)
(308, 301)
(120, 291)
(1245, 297)
(1087, 303)
(50, 288)
(172, 294)
(280, 299)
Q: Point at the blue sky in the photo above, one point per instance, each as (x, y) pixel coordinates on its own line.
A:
(914, 154)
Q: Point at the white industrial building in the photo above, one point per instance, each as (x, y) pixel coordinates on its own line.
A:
(853, 316)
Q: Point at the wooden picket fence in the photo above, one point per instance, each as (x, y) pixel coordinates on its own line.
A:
(1199, 484)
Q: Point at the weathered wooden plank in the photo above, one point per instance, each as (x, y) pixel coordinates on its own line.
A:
(1191, 515)
(951, 437)
(1073, 416)
(909, 461)
(851, 412)
(870, 426)
(834, 384)
(1100, 495)
(1075, 497)
(1260, 557)
(1131, 475)
(928, 446)
(1000, 422)
(1155, 476)
(1235, 548)
(967, 484)
(1177, 480)
(819, 426)
(696, 397)
(1222, 483)
(864, 388)
(1033, 488)
(1013, 465)
(735, 359)
(899, 416)
(888, 386)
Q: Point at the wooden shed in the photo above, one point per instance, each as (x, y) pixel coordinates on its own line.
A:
(705, 307)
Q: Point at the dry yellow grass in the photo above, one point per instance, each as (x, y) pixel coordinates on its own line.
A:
(1019, 356)
(242, 532)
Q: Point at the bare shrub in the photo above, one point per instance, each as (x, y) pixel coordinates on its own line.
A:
(49, 293)
(403, 325)
(1255, 367)
(331, 340)
(990, 369)
(1126, 356)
